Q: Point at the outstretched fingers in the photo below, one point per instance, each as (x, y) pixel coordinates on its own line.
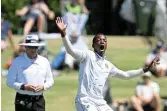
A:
(155, 61)
(59, 20)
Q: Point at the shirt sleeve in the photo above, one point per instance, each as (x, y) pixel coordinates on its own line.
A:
(115, 72)
(79, 55)
(12, 76)
(49, 78)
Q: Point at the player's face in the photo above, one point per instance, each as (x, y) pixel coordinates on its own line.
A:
(31, 51)
(100, 44)
(146, 80)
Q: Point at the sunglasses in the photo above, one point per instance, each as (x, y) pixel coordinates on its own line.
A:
(32, 47)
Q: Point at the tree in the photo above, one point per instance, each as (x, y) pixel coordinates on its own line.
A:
(10, 7)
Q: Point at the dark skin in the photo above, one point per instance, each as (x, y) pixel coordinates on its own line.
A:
(100, 43)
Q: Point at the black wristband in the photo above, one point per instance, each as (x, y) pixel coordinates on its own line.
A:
(145, 69)
(22, 87)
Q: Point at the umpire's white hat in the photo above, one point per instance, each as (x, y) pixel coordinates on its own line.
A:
(32, 40)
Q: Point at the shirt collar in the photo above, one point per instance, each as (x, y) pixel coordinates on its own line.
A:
(26, 56)
(99, 57)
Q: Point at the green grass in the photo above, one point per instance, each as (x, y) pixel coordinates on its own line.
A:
(125, 52)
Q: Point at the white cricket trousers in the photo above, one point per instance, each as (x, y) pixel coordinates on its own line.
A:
(92, 107)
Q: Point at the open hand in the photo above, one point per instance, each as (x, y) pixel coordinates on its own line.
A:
(61, 26)
(152, 64)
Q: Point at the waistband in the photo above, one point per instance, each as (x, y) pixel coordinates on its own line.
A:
(30, 97)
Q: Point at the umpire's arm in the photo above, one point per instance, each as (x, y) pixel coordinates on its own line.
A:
(12, 76)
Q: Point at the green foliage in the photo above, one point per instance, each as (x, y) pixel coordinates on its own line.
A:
(54, 5)
(10, 7)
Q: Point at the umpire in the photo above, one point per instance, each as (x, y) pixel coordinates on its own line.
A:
(30, 74)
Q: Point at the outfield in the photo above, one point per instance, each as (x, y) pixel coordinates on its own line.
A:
(125, 52)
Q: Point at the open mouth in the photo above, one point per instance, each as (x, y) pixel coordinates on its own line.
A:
(102, 48)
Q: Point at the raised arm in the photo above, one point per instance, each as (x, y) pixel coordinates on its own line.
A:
(47, 11)
(132, 73)
(77, 54)
(83, 6)
(22, 11)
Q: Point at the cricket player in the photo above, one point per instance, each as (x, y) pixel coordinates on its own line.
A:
(94, 71)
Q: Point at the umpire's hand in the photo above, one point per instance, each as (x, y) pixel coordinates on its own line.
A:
(29, 87)
(39, 88)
